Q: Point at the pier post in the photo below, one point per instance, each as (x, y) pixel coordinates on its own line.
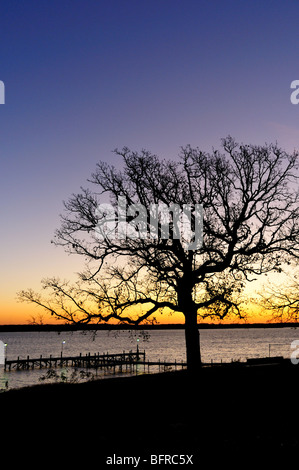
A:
(137, 357)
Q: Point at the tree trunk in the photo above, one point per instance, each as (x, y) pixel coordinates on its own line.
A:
(192, 341)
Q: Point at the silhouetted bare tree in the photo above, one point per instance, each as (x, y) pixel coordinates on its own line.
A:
(250, 226)
(282, 301)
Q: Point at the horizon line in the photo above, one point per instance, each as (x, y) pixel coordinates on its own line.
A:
(105, 326)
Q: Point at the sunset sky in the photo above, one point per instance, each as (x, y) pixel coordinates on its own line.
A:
(83, 77)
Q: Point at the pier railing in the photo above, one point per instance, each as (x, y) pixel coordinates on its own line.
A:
(88, 361)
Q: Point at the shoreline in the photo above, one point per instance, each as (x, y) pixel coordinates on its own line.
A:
(275, 365)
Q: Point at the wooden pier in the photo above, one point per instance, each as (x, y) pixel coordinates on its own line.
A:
(96, 361)
(88, 361)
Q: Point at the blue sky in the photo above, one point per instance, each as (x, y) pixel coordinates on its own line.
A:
(83, 77)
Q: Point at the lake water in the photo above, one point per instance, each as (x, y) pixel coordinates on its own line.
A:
(216, 345)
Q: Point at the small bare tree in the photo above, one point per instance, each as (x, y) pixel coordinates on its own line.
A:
(249, 198)
(282, 301)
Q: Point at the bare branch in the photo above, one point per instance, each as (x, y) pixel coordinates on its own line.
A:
(282, 301)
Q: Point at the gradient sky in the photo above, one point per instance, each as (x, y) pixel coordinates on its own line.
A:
(83, 77)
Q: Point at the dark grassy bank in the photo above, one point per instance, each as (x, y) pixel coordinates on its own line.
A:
(227, 413)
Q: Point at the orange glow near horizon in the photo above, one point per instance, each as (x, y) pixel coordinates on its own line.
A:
(22, 314)
(13, 312)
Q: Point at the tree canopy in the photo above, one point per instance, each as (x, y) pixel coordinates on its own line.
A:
(249, 200)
